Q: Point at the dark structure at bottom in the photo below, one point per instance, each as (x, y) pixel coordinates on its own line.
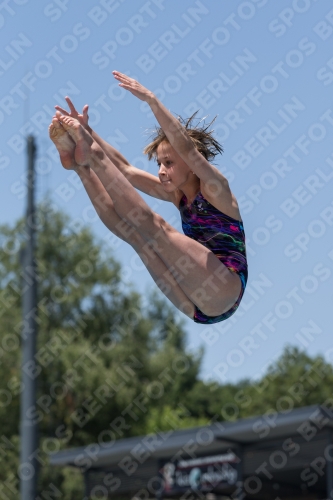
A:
(275, 456)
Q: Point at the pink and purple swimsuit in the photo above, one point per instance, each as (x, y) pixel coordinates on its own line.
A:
(221, 234)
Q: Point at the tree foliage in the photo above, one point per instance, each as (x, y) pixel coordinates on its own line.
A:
(107, 367)
(103, 361)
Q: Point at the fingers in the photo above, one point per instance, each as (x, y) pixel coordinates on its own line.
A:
(117, 73)
(122, 77)
(70, 105)
(62, 110)
(85, 116)
(125, 86)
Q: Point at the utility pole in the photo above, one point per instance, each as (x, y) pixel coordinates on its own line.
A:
(29, 431)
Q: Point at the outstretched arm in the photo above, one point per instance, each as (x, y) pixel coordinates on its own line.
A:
(140, 179)
(173, 129)
(214, 186)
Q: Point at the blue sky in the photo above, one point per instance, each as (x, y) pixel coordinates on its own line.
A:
(265, 69)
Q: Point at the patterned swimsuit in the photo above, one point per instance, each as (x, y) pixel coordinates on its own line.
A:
(221, 234)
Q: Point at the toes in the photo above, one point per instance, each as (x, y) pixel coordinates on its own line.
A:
(68, 121)
(65, 124)
(56, 130)
(55, 123)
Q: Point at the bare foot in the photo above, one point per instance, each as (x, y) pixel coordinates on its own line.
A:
(80, 136)
(64, 144)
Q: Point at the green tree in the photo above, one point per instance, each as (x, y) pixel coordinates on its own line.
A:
(294, 380)
(104, 362)
(108, 367)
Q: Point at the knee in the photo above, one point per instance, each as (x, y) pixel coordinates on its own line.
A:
(147, 221)
(125, 232)
(136, 240)
(162, 229)
(138, 216)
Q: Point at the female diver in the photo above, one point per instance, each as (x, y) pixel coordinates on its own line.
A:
(202, 272)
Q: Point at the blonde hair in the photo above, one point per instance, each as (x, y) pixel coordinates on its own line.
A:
(199, 134)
